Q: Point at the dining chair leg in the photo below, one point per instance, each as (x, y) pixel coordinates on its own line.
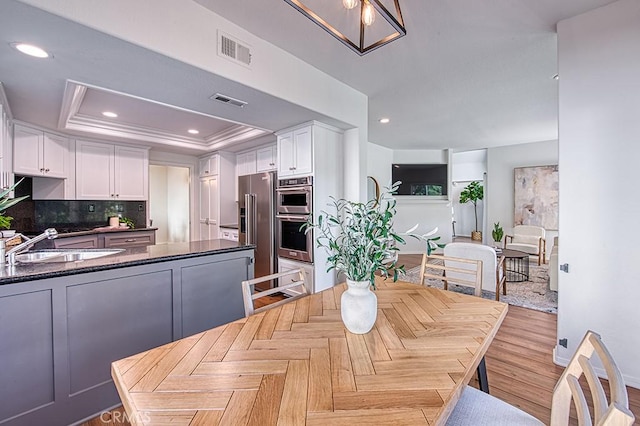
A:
(483, 382)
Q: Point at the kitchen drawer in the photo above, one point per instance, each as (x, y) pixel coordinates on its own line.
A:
(81, 242)
(130, 239)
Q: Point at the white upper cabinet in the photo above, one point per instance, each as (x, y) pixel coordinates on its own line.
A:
(209, 166)
(266, 159)
(295, 153)
(131, 173)
(107, 172)
(40, 154)
(246, 163)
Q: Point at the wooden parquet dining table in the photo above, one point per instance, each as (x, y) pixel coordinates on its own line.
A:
(296, 364)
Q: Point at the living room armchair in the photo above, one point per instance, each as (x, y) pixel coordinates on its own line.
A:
(529, 239)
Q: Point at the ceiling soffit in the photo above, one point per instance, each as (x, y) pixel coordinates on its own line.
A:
(72, 117)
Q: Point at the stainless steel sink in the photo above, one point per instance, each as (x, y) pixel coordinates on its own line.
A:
(69, 255)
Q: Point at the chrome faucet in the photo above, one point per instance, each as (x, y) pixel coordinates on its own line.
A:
(49, 233)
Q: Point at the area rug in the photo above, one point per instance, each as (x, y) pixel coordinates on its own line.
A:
(533, 294)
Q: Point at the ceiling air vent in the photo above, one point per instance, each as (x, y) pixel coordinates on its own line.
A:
(228, 100)
(234, 49)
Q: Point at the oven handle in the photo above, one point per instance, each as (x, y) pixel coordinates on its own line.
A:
(294, 188)
(292, 218)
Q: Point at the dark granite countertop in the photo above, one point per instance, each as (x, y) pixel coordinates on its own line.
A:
(101, 231)
(129, 257)
(231, 226)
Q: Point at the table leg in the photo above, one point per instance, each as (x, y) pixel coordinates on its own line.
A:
(483, 382)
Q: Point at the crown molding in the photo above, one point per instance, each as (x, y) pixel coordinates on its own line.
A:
(71, 119)
(5, 102)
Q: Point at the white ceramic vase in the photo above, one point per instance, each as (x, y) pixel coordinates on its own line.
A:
(358, 307)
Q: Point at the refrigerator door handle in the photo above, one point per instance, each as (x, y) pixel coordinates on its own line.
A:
(250, 205)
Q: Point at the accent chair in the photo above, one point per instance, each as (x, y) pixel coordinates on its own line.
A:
(529, 239)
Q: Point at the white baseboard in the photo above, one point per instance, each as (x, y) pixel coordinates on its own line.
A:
(631, 381)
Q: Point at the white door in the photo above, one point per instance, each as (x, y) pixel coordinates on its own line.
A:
(209, 208)
(169, 206)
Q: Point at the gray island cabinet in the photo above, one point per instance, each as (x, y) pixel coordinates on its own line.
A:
(61, 325)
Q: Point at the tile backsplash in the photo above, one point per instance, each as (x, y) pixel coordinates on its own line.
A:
(69, 215)
(87, 214)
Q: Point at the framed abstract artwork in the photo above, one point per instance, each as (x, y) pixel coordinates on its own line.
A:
(536, 196)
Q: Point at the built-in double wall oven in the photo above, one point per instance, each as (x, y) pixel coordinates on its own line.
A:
(293, 206)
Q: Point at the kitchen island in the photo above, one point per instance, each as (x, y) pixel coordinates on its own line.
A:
(62, 324)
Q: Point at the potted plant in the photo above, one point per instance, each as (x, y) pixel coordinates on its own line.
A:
(6, 202)
(473, 193)
(497, 233)
(361, 241)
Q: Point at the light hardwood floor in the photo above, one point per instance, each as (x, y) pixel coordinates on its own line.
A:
(520, 366)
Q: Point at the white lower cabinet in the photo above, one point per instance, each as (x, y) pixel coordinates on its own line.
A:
(288, 265)
(108, 172)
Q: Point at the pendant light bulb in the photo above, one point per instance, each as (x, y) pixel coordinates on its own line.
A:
(349, 4)
(368, 13)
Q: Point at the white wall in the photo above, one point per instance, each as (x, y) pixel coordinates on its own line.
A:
(411, 210)
(599, 68)
(466, 167)
(499, 184)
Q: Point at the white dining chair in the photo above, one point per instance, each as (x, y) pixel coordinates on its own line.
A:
(291, 282)
(478, 408)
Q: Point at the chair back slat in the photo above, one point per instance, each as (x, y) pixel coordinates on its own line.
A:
(595, 387)
(467, 272)
(248, 295)
(614, 411)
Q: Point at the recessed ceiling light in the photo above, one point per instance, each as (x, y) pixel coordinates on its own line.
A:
(193, 131)
(384, 120)
(30, 49)
(110, 114)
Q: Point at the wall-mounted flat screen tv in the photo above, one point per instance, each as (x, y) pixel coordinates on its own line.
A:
(420, 179)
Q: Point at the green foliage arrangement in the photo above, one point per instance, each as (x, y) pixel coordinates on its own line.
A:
(472, 193)
(6, 202)
(127, 222)
(497, 232)
(360, 239)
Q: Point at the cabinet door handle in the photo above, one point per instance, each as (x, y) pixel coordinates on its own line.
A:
(131, 240)
(113, 195)
(42, 169)
(46, 170)
(291, 168)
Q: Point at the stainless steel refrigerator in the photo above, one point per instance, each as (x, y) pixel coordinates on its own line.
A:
(256, 219)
